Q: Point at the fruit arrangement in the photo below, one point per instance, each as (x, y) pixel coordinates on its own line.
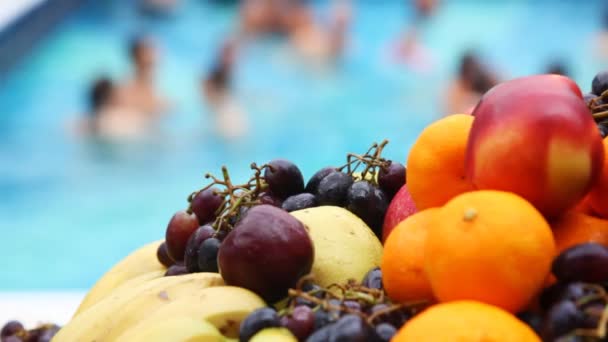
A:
(500, 233)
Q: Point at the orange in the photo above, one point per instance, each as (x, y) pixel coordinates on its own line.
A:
(490, 246)
(435, 166)
(403, 259)
(465, 321)
(598, 196)
(574, 228)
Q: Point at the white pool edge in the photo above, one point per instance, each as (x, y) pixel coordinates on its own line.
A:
(35, 307)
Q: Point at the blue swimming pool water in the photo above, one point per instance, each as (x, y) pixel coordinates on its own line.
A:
(70, 208)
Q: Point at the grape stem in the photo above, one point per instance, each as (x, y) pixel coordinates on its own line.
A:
(372, 159)
(234, 196)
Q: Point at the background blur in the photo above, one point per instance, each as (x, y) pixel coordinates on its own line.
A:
(72, 205)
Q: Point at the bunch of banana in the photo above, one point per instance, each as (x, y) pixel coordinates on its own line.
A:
(145, 306)
(141, 263)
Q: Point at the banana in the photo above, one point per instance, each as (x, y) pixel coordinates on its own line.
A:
(98, 322)
(177, 329)
(223, 306)
(128, 284)
(141, 261)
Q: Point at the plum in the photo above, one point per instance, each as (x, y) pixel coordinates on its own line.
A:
(267, 252)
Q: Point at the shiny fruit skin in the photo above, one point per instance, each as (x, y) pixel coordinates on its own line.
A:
(179, 229)
(299, 201)
(163, 256)
(175, 270)
(349, 327)
(270, 199)
(385, 331)
(194, 242)
(373, 279)
(267, 252)
(392, 178)
(313, 182)
(207, 255)
(284, 178)
(11, 328)
(599, 84)
(586, 262)
(333, 189)
(300, 322)
(562, 318)
(401, 207)
(559, 152)
(205, 205)
(369, 203)
(257, 320)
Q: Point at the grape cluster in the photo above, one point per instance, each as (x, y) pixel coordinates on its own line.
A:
(14, 331)
(351, 312)
(364, 185)
(575, 308)
(597, 101)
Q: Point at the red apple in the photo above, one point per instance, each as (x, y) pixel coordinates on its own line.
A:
(535, 137)
(401, 207)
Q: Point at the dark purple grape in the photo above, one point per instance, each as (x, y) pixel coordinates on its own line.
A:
(572, 338)
(221, 234)
(12, 338)
(324, 317)
(600, 83)
(313, 182)
(603, 128)
(392, 178)
(163, 256)
(311, 289)
(301, 322)
(562, 318)
(11, 328)
(284, 178)
(46, 334)
(563, 291)
(179, 229)
(394, 317)
(207, 255)
(586, 262)
(352, 305)
(257, 320)
(194, 242)
(350, 328)
(205, 205)
(333, 188)
(373, 279)
(268, 251)
(385, 331)
(299, 201)
(176, 270)
(532, 319)
(270, 199)
(369, 203)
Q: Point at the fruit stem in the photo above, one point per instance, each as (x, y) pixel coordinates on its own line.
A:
(470, 214)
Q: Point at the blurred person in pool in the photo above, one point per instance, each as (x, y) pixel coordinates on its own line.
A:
(230, 119)
(108, 117)
(263, 17)
(140, 94)
(601, 44)
(313, 40)
(409, 49)
(472, 81)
